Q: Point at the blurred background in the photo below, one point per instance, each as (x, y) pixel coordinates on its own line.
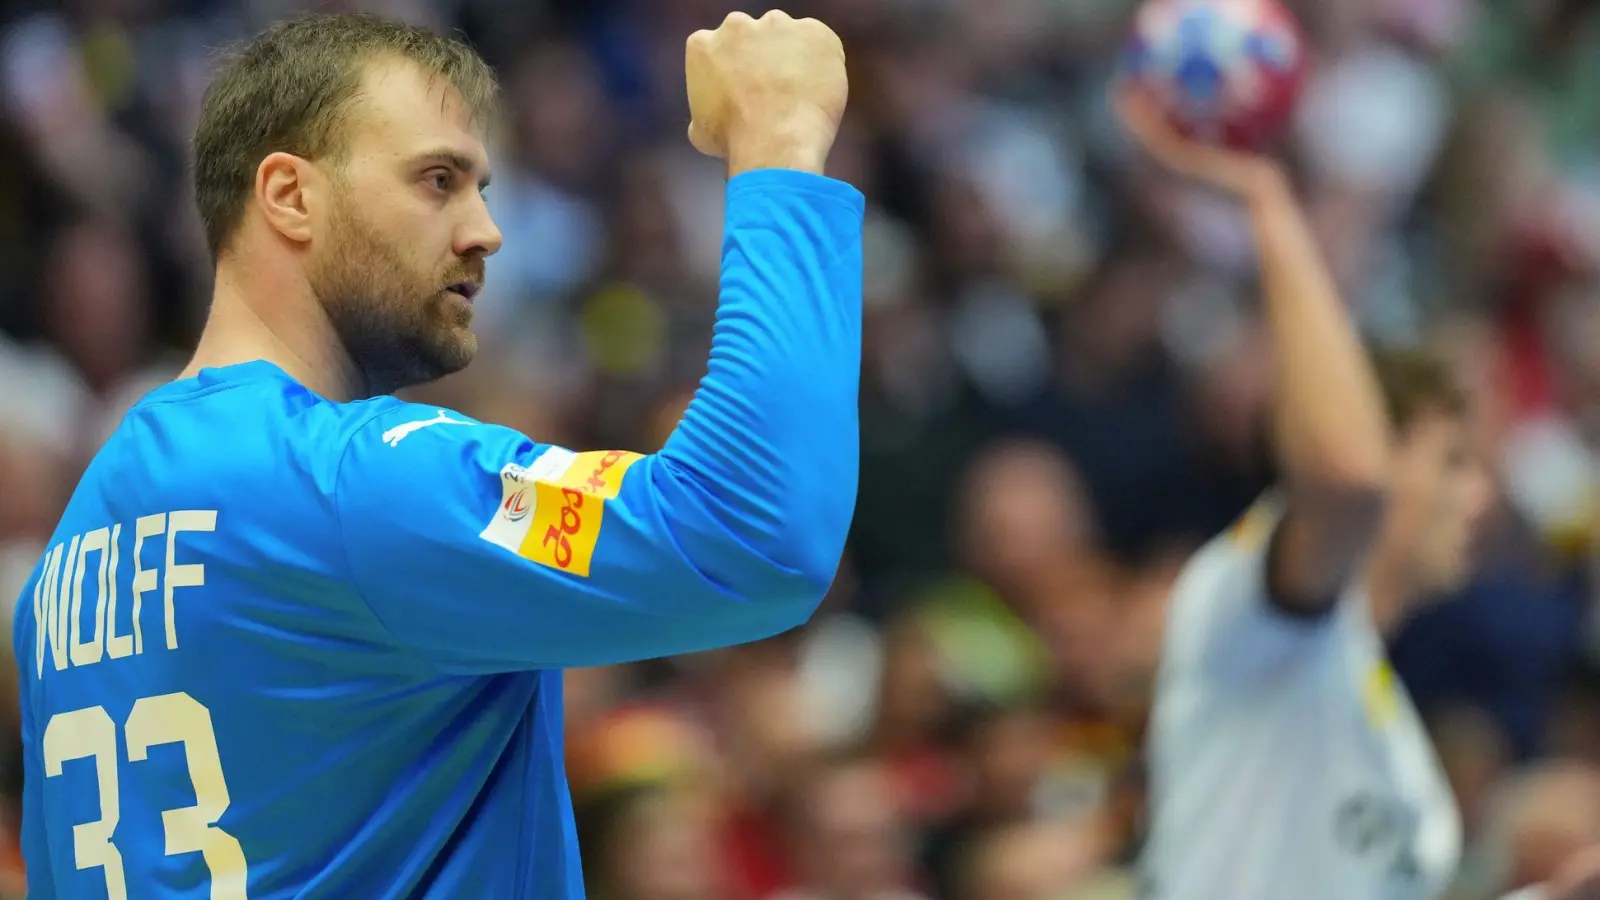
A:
(1063, 395)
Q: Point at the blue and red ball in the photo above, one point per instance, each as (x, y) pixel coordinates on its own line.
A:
(1224, 71)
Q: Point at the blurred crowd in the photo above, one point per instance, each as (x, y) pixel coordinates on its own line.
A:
(1063, 395)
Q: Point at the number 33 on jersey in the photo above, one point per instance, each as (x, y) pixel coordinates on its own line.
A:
(78, 622)
(89, 733)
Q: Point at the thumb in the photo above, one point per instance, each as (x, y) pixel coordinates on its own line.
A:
(1220, 167)
(703, 142)
(1143, 119)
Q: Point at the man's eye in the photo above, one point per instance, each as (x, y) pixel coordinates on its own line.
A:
(440, 180)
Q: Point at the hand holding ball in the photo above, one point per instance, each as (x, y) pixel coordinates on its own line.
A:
(1224, 72)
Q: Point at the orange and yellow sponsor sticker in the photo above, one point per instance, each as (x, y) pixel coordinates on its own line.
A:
(570, 508)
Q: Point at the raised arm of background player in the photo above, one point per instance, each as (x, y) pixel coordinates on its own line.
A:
(482, 550)
(1332, 435)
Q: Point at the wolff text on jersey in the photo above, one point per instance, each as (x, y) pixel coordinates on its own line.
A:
(91, 564)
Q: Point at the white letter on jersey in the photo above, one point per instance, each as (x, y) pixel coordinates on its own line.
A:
(44, 613)
(144, 580)
(117, 645)
(395, 435)
(60, 589)
(87, 653)
(177, 576)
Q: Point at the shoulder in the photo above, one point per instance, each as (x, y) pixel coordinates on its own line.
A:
(1221, 617)
(387, 420)
(1253, 529)
(390, 435)
(398, 457)
(1233, 562)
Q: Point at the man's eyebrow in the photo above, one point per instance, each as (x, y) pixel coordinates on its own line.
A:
(458, 161)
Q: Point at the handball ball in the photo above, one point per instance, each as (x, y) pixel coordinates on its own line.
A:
(1224, 71)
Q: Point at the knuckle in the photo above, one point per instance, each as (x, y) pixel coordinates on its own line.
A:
(819, 30)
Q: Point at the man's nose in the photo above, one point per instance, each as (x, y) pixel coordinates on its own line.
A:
(479, 235)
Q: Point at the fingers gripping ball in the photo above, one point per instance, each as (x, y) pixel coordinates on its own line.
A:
(1223, 71)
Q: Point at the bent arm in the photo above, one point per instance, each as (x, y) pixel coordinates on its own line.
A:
(1332, 434)
(488, 552)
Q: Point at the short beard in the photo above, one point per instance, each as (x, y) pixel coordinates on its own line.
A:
(397, 329)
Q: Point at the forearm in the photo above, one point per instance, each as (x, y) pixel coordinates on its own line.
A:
(770, 442)
(1331, 427)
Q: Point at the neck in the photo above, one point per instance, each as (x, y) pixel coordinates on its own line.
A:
(259, 314)
(1390, 590)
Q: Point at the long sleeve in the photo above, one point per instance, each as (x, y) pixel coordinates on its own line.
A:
(488, 551)
(772, 436)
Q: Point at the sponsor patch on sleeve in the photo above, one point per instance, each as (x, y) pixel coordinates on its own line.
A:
(551, 512)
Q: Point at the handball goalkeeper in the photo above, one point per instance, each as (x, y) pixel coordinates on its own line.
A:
(296, 638)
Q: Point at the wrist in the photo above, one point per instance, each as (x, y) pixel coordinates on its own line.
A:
(1265, 183)
(797, 141)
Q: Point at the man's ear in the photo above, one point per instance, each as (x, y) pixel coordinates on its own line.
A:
(287, 190)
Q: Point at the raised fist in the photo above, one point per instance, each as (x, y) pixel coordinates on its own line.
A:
(767, 92)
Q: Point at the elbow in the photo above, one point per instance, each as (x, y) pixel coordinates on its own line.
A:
(1347, 484)
(1352, 468)
(794, 565)
(1360, 478)
(790, 599)
(1347, 511)
(771, 597)
(1344, 460)
(813, 547)
(771, 547)
(1340, 487)
(806, 559)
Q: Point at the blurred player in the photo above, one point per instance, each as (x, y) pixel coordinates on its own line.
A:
(297, 638)
(1286, 762)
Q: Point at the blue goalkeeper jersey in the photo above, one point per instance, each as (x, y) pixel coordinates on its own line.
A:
(286, 647)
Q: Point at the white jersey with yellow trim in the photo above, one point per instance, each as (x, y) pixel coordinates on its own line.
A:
(1287, 762)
